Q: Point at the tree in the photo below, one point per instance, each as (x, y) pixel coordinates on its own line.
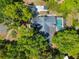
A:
(36, 45)
(64, 8)
(19, 11)
(3, 3)
(26, 46)
(13, 14)
(67, 42)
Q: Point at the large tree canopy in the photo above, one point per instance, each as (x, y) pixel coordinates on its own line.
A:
(17, 11)
(15, 14)
(3, 3)
(65, 7)
(67, 42)
(26, 46)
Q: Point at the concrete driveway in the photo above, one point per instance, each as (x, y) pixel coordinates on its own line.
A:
(3, 30)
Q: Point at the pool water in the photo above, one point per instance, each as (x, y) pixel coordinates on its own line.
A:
(59, 23)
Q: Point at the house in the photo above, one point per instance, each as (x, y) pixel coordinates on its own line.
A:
(46, 23)
(50, 24)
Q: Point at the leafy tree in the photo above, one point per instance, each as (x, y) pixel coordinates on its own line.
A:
(64, 8)
(17, 11)
(67, 42)
(35, 43)
(3, 3)
(26, 46)
(13, 14)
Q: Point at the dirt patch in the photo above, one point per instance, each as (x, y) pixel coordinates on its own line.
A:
(59, 1)
(69, 21)
(36, 2)
(54, 46)
(11, 35)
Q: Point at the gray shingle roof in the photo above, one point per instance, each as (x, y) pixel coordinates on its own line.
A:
(47, 19)
(47, 22)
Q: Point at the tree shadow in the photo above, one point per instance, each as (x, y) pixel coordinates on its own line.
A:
(78, 31)
(67, 28)
(71, 57)
(13, 42)
(55, 52)
(77, 56)
(70, 28)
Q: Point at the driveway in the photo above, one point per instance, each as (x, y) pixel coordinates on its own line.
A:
(3, 30)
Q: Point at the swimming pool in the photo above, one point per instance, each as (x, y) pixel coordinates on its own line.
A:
(59, 23)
